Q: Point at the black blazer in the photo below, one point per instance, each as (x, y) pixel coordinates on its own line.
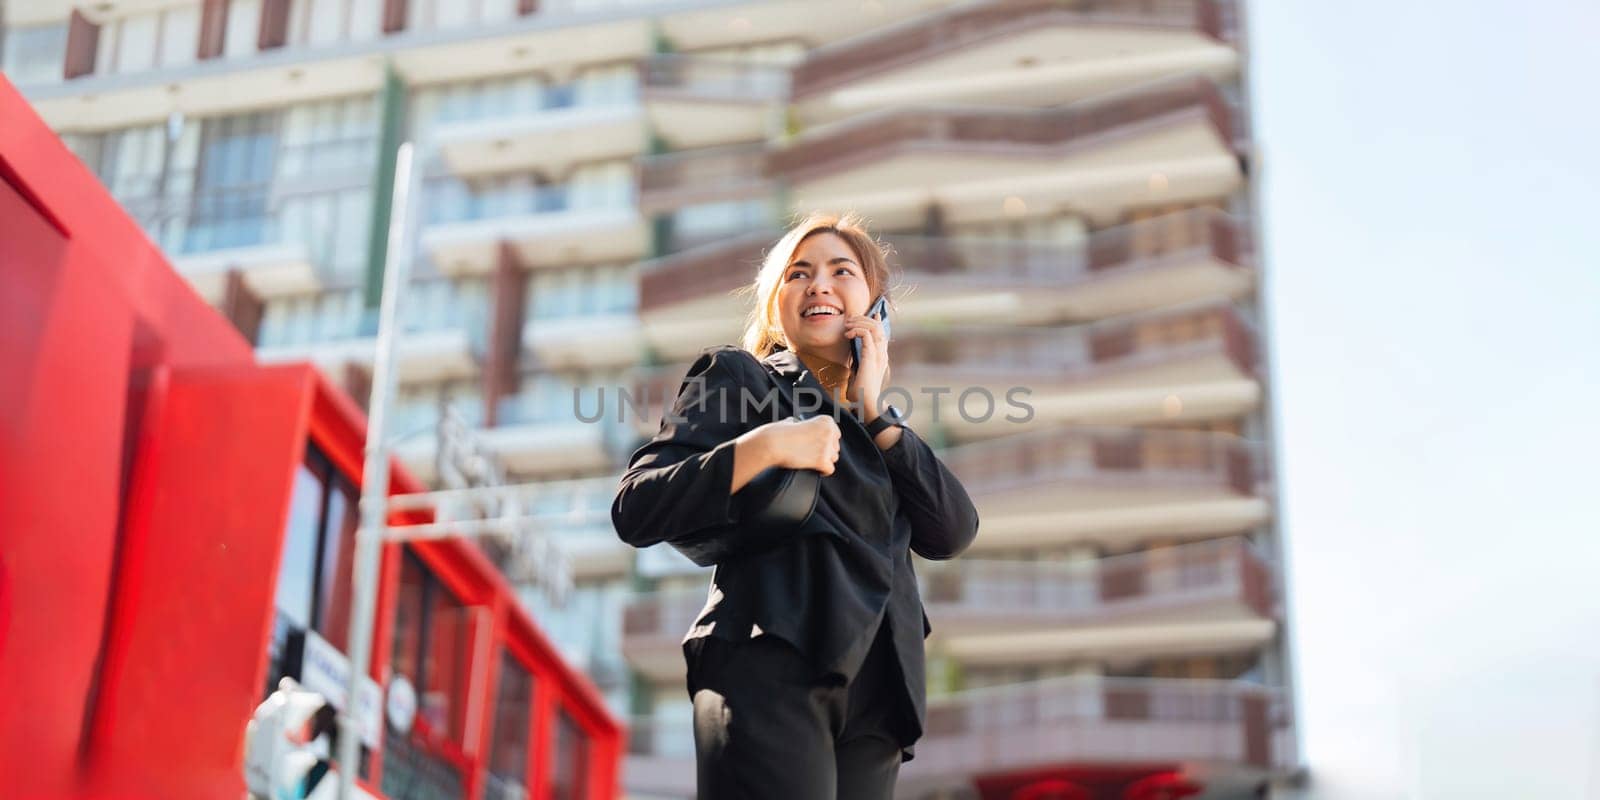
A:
(825, 587)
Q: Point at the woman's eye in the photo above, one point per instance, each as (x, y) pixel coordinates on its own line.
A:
(845, 270)
(797, 274)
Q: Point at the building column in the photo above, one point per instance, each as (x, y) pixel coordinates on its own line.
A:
(274, 25)
(939, 257)
(213, 29)
(358, 383)
(500, 373)
(394, 15)
(391, 113)
(242, 306)
(83, 42)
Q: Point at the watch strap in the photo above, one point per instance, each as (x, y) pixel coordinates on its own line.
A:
(889, 417)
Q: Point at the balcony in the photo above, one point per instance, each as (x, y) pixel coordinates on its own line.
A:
(343, 54)
(1221, 734)
(1216, 732)
(577, 514)
(1030, 53)
(570, 341)
(653, 626)
(1139, 267)
(436, 343)
(1193, 363)
(670, 181)
(660, 758)
(544, 226)
(1114, 487)
(689, 297)
(700, 101)
(1210, 596)
(1188, 363)
(711, 25)
(1172, 142)
(530, 436)
(213, 233)
(547, 140)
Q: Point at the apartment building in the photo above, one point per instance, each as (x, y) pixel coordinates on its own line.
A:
(1066, 186)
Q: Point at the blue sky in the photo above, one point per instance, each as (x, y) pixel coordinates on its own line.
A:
(1431, 204)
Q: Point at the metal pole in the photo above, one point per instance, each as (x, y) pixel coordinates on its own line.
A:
(375, 475)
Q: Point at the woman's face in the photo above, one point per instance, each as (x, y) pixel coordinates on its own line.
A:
(823, 274)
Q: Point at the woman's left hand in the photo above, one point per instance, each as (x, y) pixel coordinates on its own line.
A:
(866, 385)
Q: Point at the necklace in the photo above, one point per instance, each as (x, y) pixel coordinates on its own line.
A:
(831, 374)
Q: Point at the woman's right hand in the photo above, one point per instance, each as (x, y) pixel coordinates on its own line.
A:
(801, 444)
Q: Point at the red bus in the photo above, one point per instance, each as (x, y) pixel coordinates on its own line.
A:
(176, 529)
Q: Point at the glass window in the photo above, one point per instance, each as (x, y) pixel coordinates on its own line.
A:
(36, 53)
(431, 642)
(497, 10)
(350, 242)
(452, 14)
(325, 23)
(365, 16)
(313, 582)
(508, 749)
(244, 25)
(180, 35)
(338, 557)
(233, 177)
(299, 561)
(570, 765)
(136, 42)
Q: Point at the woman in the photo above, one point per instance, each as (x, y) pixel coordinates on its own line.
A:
(806, 665)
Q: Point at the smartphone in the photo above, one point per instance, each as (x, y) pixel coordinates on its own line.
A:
(879, 311)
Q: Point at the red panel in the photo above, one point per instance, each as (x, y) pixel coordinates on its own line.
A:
(64, 346)
(204, 525)
(137, 561)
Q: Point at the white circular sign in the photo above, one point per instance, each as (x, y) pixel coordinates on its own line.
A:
(401, 705)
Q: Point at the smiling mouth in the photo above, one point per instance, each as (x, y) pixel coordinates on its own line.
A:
(821, 312)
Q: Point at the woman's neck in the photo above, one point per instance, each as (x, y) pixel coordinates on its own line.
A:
(833, 375)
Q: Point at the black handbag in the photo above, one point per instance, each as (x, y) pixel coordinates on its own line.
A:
(779, 499)
(771, 509)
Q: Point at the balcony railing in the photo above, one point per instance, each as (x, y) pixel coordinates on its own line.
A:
(869, 138)
(1175, 458)
(704, 271)
(676, 75)
(208, 221)
(1057, 356)
(834, 65)
(452, 120)
(690, 177)
(1222, 234)
(1045, 264)
(726, 265)
(1053, 592)
(1078, 719)
(662, 614)
(1079, 352)
(1097, 719)
(498, 204)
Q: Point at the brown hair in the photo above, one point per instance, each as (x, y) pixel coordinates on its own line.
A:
(763, 332)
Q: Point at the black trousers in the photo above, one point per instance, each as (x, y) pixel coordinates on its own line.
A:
(764, 727)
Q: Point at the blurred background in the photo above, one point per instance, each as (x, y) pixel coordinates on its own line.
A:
(1302, 293)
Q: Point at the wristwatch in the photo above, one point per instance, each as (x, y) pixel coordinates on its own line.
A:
(889, 416)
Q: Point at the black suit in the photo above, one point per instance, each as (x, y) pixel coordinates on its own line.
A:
(826, 588)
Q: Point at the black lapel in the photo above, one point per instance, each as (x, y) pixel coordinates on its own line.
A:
(789, 373)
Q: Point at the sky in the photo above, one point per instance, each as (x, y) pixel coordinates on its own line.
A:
(1430, 196)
